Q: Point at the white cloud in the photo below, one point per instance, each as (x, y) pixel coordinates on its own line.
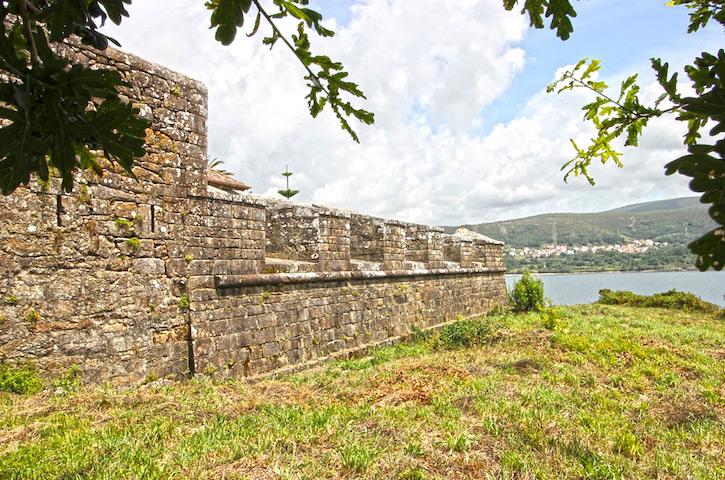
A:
(429, 69)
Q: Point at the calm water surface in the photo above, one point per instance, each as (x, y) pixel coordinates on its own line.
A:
(574, 288)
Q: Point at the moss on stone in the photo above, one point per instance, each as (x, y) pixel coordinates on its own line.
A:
(123, 223)
(32, 316)
(134, 243)
(184, 302)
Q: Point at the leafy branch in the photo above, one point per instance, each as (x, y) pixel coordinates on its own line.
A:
(326, 78)
(612, 116)
(560, 11)
(625, 115)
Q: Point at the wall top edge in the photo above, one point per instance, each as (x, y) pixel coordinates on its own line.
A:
(139, 63)
(254, 200)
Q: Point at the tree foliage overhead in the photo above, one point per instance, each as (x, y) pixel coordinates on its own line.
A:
(560, 13)
(621, 114)
(55, 115)
(327, 79)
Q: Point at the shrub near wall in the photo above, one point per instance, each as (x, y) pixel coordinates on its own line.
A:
(527, 294)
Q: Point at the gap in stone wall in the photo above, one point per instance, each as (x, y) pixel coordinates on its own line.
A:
(292, 239)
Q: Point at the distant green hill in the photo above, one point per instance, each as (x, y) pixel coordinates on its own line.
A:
(677, 221)
(683, 203)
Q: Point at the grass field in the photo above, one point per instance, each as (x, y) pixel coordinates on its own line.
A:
(586, 392)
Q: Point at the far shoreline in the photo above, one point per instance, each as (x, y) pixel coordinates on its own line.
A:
(607, 271)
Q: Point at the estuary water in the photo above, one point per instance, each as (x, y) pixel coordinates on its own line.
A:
(575, 288)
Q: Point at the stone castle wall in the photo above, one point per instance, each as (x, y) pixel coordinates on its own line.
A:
(158, 278)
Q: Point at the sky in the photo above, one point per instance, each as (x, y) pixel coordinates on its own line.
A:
(465, 131)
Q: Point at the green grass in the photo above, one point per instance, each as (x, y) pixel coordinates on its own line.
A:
(23, 379)
(603, 392)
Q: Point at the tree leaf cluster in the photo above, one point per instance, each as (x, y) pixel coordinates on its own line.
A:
(701, 12)
(705, 161)
(53, 114)
(288, 193)
(560, 13)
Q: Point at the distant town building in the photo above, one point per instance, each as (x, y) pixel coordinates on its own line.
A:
(553, 250)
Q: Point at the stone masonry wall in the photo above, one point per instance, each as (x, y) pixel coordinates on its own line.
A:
(134, 280)
(292, 233)
(259, 329)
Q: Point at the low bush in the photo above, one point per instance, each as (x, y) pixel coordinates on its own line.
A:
(21, 379)
(68, 382)
(551, 317)
(673, 299)
(527, 294)
(465, 333)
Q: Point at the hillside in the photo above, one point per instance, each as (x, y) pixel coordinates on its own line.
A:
(659, 205)
(676, 221)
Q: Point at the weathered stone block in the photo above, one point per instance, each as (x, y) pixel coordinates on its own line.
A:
(149, 266)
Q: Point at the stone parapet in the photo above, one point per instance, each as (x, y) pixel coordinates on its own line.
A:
(334, 241)
(264, 323)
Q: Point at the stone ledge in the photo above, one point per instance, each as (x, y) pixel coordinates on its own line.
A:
(267, 279)
(247, 199)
